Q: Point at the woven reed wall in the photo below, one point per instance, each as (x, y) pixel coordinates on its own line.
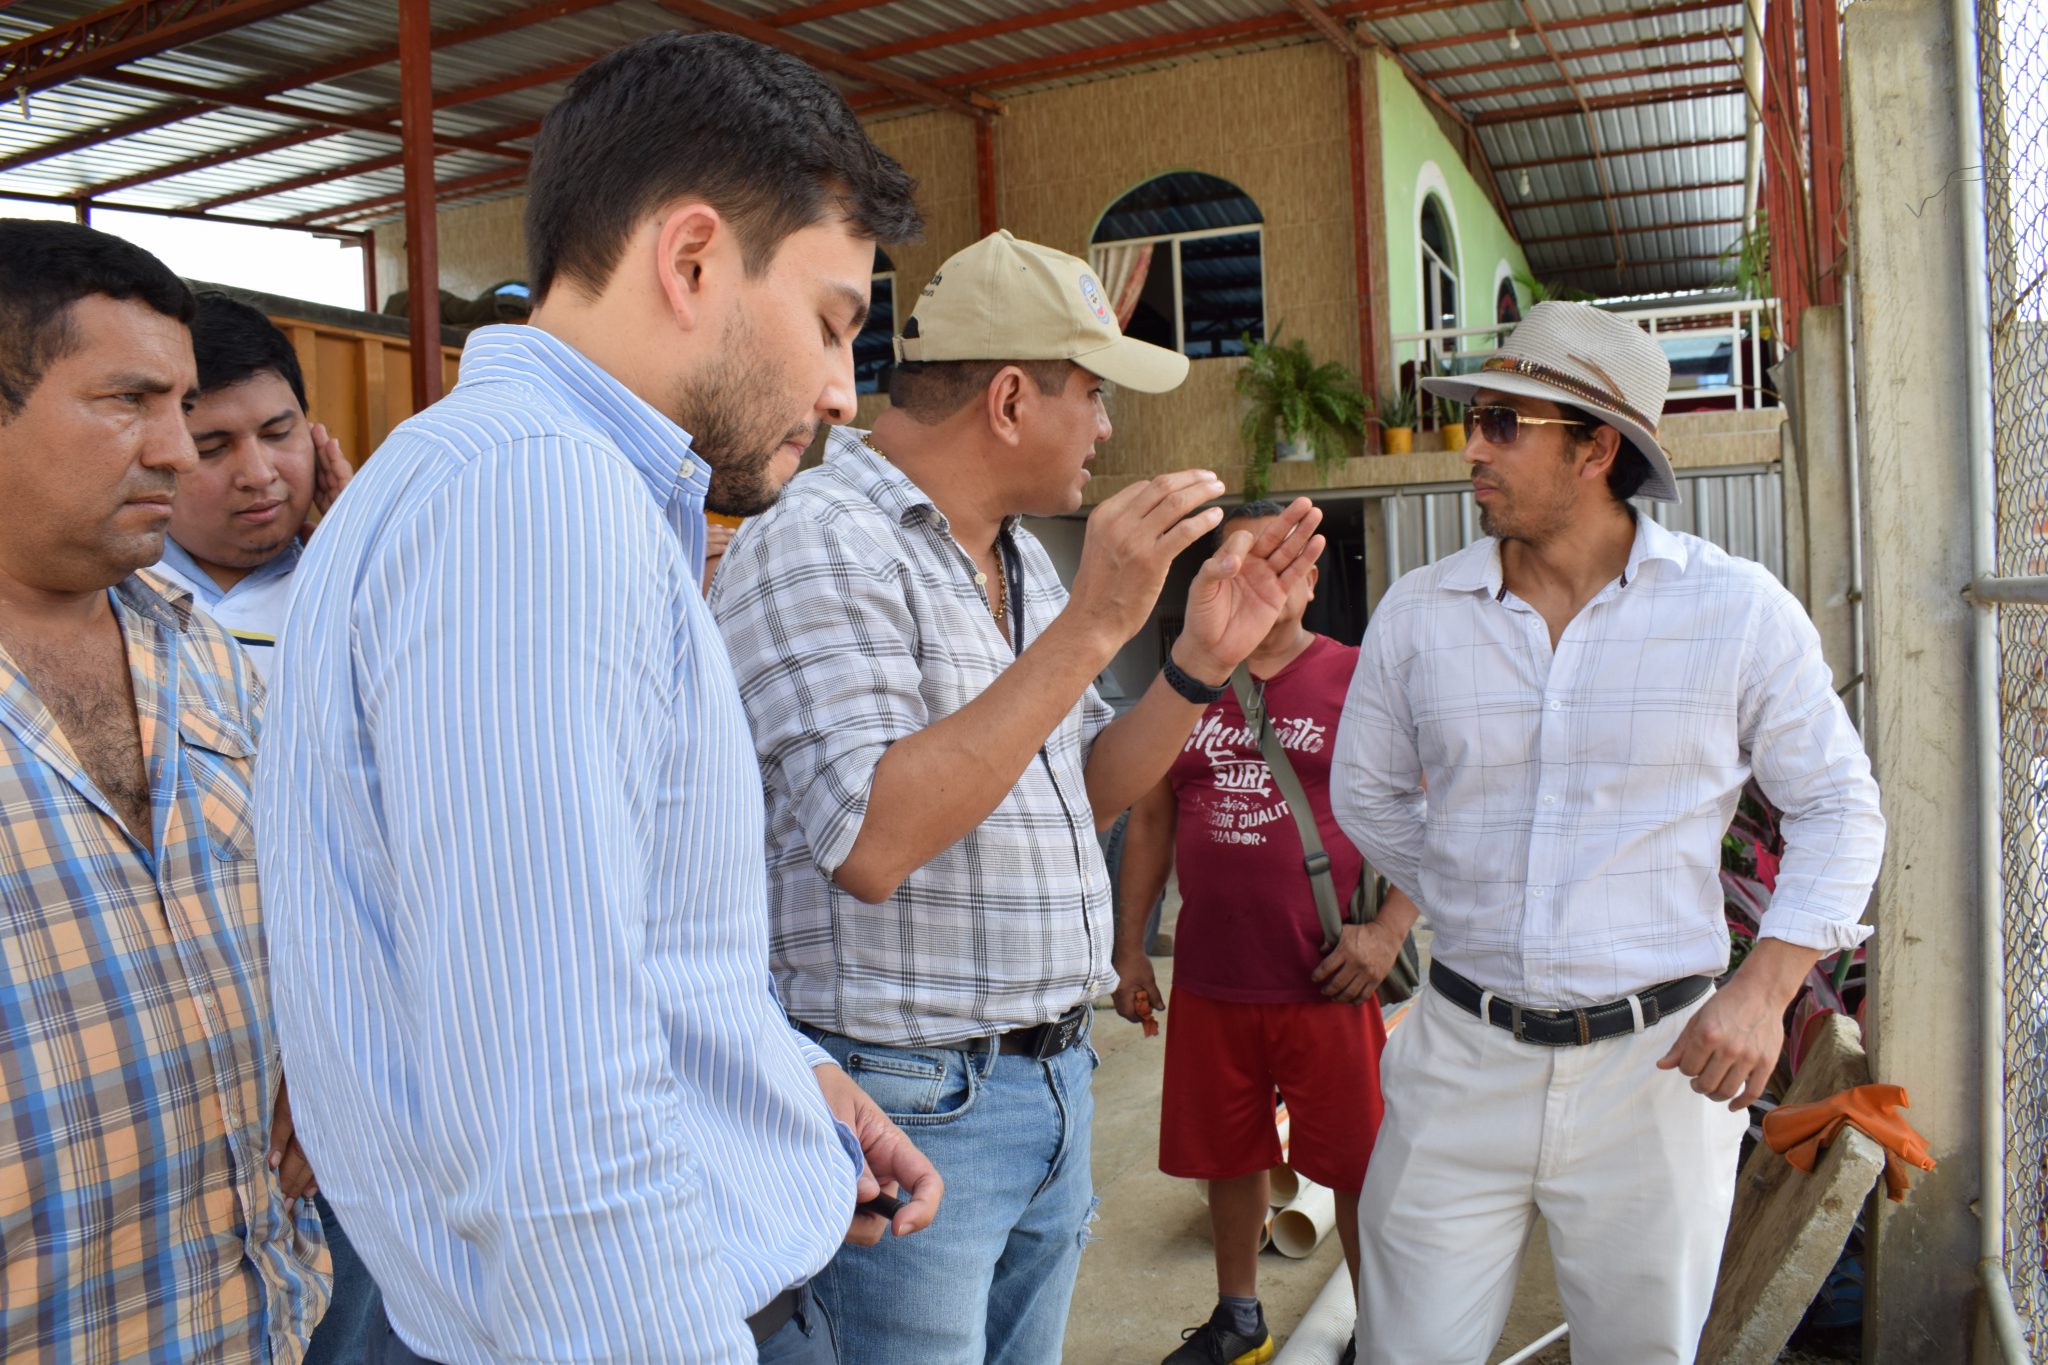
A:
(1272, 122)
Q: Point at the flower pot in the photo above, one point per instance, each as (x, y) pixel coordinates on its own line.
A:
(1286, 451)
(1397, 440)
(1454, 435)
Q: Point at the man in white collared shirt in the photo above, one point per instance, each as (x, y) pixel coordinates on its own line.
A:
(1584, 696)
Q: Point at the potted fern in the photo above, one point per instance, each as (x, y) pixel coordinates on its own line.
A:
(1309, 408)
(1397, 423)
(1450, 420)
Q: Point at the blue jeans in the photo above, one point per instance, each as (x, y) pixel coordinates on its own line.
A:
(343, 1336)
(992, 1277)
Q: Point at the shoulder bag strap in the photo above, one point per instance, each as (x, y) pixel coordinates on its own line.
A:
(1315, 861)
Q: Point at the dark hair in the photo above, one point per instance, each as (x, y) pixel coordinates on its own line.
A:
(1244, 511)
(1629, 472)
(233, 342)
(45, 267)
(930, 391)
(756, 133)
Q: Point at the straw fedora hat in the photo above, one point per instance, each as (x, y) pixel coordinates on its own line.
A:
(1584, 358)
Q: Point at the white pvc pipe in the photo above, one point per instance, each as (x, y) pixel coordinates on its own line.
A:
(1301, 1227)
(1555, 1334)
(1325, 1330)
(1283, 1186)
(1991, 1271)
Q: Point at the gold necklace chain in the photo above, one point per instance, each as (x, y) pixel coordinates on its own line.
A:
(999, 600)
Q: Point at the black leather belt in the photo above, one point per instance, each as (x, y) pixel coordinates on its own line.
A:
(775, 1315)
(1570, 1028)
(1039, 1041)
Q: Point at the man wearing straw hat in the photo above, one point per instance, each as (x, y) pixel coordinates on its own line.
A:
(1585, 695)
(937, 763)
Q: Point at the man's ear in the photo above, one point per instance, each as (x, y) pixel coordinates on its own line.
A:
(1002, 401)
(1606, 449)
(687, 239)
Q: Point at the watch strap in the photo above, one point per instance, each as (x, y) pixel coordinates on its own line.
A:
(1192, 689)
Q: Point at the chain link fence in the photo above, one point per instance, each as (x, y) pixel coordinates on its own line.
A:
(2013, 52)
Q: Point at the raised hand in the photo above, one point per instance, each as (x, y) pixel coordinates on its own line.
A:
(1242, 589)
(1132, 540)
(331, 470)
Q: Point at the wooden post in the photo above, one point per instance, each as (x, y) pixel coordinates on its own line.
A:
(1361, 219)
(422, 257)
(985, 176)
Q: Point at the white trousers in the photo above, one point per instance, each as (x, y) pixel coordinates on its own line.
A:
(1633, 1171)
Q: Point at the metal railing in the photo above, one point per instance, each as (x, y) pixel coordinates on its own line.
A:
(1741, 326)
(1738, 507)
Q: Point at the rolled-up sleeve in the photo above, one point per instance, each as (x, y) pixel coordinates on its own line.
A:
(1376, 767)
(1810, 761)
(824, 644)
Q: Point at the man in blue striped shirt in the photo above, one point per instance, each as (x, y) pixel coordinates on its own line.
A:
(511, 817)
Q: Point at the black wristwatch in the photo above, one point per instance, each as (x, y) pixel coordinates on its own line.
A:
(1194, 689)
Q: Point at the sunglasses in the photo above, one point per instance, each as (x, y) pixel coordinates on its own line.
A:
(1499, 426)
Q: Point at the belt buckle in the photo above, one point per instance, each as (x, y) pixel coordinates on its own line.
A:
(1059, 1035)
(1515, 1023)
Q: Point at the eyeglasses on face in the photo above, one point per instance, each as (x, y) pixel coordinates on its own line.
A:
(1499, 426)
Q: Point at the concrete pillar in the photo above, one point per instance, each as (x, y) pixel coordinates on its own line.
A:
(1820, 427)
(1910, 421)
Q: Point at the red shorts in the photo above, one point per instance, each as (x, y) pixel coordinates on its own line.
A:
(1224, 1063)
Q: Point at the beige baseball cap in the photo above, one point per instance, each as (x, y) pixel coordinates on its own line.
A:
(1002, 299)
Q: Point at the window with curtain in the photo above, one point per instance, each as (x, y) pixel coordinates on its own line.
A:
(1182, 260)
(1439, 279)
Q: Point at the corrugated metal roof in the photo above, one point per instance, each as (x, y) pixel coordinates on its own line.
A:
(997, 47)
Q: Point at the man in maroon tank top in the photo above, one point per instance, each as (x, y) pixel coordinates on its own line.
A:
(1258, 1007)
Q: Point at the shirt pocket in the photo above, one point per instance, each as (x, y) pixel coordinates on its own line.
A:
(219, 761)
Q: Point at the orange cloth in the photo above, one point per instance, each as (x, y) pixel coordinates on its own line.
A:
(1799, 1131)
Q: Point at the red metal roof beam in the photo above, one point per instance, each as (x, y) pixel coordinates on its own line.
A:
(1632, 231)
(1633, 100)
(329, 174)
(346, 66)
(1573, 54)
(371, 122)
(1529, 205)
(1619, 152)
(1599, 78)
(1321, 22)
(827, 59)
(98, 42)
(1624, 16)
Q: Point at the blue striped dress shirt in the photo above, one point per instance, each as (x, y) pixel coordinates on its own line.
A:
(510, 827)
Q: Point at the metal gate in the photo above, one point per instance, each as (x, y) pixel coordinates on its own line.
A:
(2002, 83)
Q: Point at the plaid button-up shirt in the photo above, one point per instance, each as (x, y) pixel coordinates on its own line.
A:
(853, 621)
(139, 1217)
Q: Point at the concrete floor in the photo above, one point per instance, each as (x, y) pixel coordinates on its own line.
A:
(1148, 1273)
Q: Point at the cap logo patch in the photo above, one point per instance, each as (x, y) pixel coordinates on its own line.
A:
(1093, 295)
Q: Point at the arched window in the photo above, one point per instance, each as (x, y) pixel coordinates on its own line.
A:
(874, 350)
(1507, 305)
(1439, 278)
(1182, 259)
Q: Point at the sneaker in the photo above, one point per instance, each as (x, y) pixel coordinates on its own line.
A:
(1218, 1342)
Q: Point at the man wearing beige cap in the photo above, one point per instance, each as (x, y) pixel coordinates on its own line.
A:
(937, 763)
(1584, 695)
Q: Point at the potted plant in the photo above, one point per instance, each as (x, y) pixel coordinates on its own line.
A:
(1450, 420)
(1397, 423)
(1311, 408)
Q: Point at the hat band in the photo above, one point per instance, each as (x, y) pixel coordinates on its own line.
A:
(1572, 384)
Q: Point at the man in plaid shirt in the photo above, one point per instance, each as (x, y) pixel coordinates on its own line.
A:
(937, 763)
(143, 1123)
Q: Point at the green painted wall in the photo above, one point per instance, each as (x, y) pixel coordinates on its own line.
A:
(1410, 141)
